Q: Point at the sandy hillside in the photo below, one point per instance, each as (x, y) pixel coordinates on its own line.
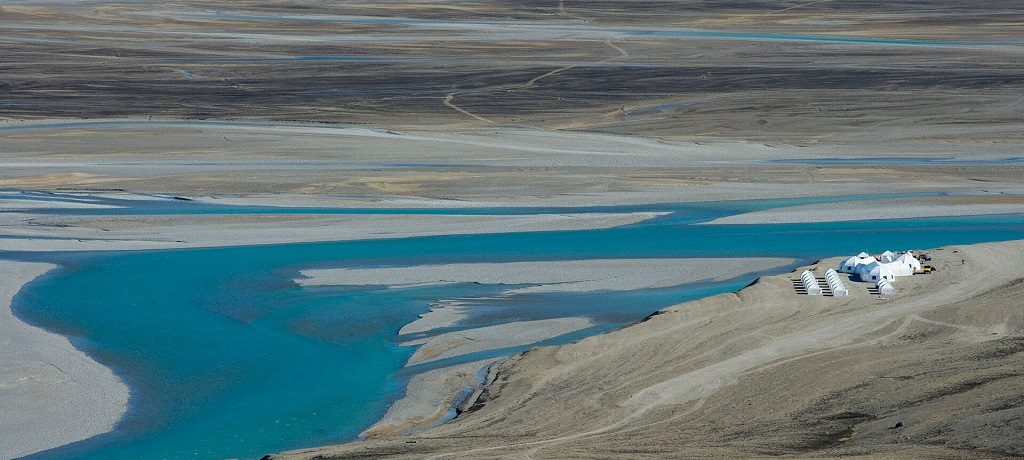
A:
(934, 372)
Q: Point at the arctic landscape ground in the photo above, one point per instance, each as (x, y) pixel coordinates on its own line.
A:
(932, 373)
(412, 196)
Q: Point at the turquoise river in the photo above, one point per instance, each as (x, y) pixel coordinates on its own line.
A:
(228, 358)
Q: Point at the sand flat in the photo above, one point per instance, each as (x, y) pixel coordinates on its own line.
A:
(9, 204)
(51, 394)
(443, 313)
(549, 276)
(516, 333)
(428, 398)
(49, 233)
(882, 209)
(471, 167)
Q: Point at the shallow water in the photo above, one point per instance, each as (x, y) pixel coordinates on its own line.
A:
(228, 358)
(873, 161)
(524, 27)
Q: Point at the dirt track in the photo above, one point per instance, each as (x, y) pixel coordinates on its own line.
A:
(789, 71)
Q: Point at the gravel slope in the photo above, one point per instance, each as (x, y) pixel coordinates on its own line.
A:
(934, 372)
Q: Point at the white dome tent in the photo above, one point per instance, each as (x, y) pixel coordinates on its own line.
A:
(906, 265)
(810, 283)
(876, 271)
(835, 283)
(851, 264)
(885, 287)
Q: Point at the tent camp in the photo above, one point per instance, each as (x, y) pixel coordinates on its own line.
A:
(850, 265)
(876, 271)
(888, 266)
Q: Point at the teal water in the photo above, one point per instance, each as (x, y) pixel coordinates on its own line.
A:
(526, 27)
(228, 358)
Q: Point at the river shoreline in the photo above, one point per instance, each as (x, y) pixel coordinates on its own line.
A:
(428, 400)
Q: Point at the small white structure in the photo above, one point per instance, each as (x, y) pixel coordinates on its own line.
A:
(888, 256)
(835, 283)
(905, 265)
(876, 271)
(810, 283)
(850, 265)
(885, 287)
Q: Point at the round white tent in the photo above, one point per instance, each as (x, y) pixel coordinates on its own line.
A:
(853, 264)
(905, 265)
(885, 287)
(835, 284)
(876, 272)
(810, 283)
(849, 265)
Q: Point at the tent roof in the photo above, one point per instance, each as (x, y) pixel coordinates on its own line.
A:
(882, 269)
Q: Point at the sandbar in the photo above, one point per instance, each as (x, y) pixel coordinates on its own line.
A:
(864, 210)
(457, 343)
(89, 233)
(549, 276)
(51, 394)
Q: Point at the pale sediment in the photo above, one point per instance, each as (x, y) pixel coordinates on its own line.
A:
(457, 343)
(8, 205)
(549, 276)
(51, 394)
(865, 210)
(429, 398)
(442, 313)
(77, 233)
(308, 164)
